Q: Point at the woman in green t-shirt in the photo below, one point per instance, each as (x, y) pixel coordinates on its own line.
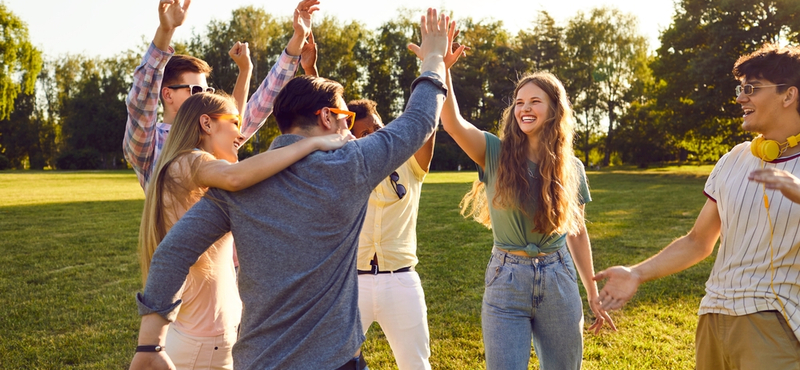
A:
(531, 192)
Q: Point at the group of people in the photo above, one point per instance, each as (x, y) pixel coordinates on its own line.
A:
(324, 222)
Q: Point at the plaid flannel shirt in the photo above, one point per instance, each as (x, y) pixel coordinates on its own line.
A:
(145, 136)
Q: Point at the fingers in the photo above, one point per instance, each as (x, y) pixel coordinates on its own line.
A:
(415, 48)
(185, 4)
(311, 37)
(600, 276)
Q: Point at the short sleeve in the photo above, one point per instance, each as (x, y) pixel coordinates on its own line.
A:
(492, 158)
(583, 186)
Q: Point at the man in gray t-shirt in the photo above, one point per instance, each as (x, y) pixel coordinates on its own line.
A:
(297, 232)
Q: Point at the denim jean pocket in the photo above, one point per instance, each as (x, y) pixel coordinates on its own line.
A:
(493, 270)
(569, 267)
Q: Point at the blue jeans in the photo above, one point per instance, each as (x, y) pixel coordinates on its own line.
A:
(532, 297)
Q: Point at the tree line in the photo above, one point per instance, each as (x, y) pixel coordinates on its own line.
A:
(631, 105)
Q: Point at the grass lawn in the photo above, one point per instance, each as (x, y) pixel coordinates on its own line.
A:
(70, 271)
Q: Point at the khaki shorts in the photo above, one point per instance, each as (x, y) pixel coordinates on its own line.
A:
(761, 340)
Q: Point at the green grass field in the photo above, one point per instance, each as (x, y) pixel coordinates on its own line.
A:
(69, 270)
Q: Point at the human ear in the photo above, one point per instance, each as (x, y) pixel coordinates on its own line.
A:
(205, 124)
(325, 118)
(790, 96)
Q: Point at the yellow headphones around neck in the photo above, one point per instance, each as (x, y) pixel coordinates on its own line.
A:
(769, 150)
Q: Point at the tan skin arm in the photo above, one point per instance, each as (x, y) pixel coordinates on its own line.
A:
(679, 255)
(241, 175)
(152, 331)
(581, 250)
(424, 155)
(465, 134)
(240, 53)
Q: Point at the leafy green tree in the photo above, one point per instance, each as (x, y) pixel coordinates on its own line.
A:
(608, 55)
(390, 66)
(93, 108)
(20, 62)
(695, 60)
(542, 46)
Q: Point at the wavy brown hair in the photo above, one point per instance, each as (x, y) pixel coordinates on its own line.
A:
(557, 204)
(185, 135)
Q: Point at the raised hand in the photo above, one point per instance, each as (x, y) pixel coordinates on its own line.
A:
(773, 178)
(308, 56)
(240, 53)
(455, 51)
(619, 289)
(302, 17)
(171, 14)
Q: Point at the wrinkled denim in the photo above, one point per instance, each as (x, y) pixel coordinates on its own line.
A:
(535, 297)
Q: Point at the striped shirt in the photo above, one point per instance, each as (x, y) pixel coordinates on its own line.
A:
(740, 280)
(145, 136)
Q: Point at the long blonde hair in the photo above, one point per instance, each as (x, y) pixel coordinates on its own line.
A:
(557, 204)
(185, 135)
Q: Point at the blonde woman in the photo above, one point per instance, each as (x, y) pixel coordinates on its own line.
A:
(531, 193)
(201, 152)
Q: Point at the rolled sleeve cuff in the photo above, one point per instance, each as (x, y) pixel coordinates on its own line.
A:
(432, 77)
(157, 58)
(169, 313)
(286, 61)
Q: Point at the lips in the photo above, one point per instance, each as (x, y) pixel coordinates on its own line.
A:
(748, 111)
(527, 119)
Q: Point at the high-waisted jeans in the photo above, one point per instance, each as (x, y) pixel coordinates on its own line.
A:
(532, 297)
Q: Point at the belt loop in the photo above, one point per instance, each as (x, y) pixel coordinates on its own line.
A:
(561, 254)
(503, 261)
(374, 269)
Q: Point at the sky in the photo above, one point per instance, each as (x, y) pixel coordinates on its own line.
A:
(106, 28)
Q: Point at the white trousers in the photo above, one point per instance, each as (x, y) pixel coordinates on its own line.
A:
(397, 303)
(189, 352)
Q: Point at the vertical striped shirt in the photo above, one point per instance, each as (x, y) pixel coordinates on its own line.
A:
(145, 136)
(740, 280)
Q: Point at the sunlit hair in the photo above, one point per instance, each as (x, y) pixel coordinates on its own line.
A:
(297, 103)
(777, 64)
(184, 136)
(557, 207)
(363, 108)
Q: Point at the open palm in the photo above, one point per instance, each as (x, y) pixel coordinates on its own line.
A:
(171, 13)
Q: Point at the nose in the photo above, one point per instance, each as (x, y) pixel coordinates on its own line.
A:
(742, 97)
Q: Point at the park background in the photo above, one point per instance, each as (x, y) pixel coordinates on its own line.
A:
(634, 104)
(68, 238)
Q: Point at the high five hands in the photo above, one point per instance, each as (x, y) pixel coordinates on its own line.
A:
(452, 54)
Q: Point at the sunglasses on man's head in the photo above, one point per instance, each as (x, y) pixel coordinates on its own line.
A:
(399, 189)
(195, 89)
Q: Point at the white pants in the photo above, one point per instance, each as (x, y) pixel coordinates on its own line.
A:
(189, 352)
(397, 303)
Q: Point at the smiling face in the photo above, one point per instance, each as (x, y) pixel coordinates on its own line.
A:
(221, 136)
(531, 107)
(762, 108)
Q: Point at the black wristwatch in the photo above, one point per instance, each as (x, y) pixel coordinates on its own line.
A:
(155, 348)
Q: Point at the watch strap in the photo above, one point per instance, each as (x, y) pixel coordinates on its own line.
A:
(155, 348)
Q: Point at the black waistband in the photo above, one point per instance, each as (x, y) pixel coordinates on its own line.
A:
(375, 271)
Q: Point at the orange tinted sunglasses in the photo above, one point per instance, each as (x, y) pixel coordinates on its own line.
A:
(228, 116)
(350, 115)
